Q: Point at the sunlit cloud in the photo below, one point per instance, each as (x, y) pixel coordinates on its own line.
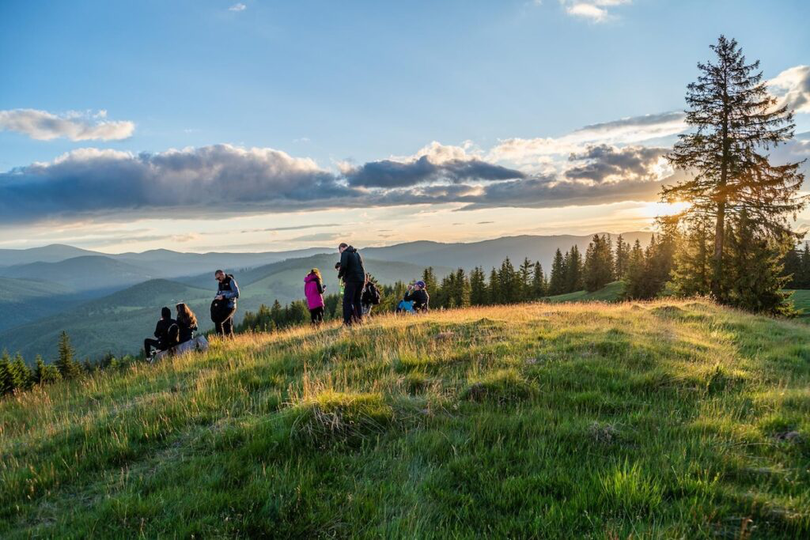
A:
(596, 11)
(792, 88)
(44, 126)
(238, 7)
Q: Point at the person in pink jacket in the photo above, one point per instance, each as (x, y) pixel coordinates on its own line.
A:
(313, 289)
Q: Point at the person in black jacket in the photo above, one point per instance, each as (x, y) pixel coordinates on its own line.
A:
(186, 322)
(227, 293)
(417, 293)
(353, 274)
(166, 332)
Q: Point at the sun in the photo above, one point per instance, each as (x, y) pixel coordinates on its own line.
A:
(660, 209)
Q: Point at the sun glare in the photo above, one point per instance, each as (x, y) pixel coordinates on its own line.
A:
(659, 209)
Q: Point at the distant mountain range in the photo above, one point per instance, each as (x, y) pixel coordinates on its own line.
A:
(111, 302)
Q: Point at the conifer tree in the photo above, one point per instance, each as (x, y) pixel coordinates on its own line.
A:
(461, 293)
(431, 283)
(634, 276)
(556, 283)
(6, 379)
(539, 285)
(21, 373)
(509, 283)
(734, 122)
(525, 278)
(478, 287)
(67, 367)
(573, 270)
(756, 279)
(494, 289)
(621, 258)
(598, 270)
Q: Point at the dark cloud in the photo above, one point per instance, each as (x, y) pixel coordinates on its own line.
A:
(217, 181)
(211, 179)
(396, 174)
(603, 162)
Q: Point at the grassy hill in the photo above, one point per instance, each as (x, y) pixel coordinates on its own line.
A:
(117, 323)
(801, 300)
(665, 419)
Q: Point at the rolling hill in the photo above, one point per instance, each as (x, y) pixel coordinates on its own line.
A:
(120, 321)
(117, 323)
(89, 273)
(671, 419)
(26, 300)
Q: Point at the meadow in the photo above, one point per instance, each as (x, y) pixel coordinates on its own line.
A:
(676, 419)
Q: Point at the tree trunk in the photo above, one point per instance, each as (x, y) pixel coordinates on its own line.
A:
(717, 257)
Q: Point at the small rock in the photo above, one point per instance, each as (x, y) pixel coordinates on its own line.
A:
(789, 436)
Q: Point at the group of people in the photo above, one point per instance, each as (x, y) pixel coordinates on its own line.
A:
(360, 294)
(170, 333)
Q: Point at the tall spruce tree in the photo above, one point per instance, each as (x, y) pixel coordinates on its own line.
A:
(573, 270)
(494, 289)
(621, 258)
(556, 283)
(478, 287)
(734, 122)
(539, 285)
(525, 277)
(6, 379)
(598, 270)
(68, 368)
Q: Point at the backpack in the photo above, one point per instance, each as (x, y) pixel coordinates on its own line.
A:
(372, 295)
(173, 336)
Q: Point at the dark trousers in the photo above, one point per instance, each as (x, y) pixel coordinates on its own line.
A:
(352, 298)
(316, 314)
(225, 328)
(149, 344)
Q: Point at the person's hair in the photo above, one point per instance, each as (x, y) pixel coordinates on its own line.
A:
(166, 313)
(185, 315)
(317, 273)
(218, 272)
(343, 245)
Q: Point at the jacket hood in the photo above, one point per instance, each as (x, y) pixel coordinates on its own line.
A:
(310, 277)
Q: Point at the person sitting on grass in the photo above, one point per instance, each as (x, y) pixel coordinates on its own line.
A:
(416, 299)
(166, 334)
(186, 322)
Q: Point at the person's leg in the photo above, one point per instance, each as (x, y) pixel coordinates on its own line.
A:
(227, 327)
(319, 315)
(348, 297)
(148, 344)
(218, 328)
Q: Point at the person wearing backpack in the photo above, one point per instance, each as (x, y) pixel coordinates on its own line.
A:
(371, 296)
(353, 274)
(313, 290)
(166, 334)
(417, 293)
(223, 308)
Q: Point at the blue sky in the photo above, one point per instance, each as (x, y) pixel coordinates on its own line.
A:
(336, 85)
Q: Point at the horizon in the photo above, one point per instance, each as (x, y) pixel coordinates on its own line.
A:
(611, 235)
(276, 127)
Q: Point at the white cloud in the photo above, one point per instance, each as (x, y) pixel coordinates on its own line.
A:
(538, 153)
(792, 87)
(76, 126)
(238, 7)
(593, 10)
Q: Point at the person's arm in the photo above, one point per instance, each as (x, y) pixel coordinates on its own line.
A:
(321, 288)
(157, 329)
(344, 264)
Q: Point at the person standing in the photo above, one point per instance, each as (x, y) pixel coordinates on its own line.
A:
(313, 290)
(227, 294)
(353, 274)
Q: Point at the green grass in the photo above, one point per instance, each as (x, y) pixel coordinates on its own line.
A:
(801, 301)
(675, 419)
(610, 293)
